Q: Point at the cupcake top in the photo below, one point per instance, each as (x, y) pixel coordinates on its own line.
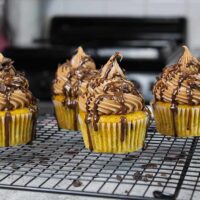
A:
(14, 88)
(110, 93)
(6, 65)
(73, 73)
(180, 83)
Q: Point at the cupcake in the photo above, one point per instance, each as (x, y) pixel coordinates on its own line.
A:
(112, 113)
(66, 88)
(17, 106)
(176, 103)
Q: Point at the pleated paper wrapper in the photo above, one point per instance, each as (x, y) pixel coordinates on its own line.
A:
(185, 122)
(65, 116)
(108, 137)
(20, 129)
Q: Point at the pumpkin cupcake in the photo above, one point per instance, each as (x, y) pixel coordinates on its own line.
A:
(17, 106)
(66, 88)
(112, 115)
(176, 103)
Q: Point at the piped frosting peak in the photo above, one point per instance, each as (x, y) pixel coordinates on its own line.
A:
(188, 62)
(72, 74)
(82, 59)
(112, 68)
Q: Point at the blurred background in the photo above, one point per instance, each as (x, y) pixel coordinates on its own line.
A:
(38, 35)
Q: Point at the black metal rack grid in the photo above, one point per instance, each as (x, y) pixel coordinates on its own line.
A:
(57, 162)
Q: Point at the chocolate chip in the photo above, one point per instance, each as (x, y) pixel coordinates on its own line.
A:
(79, 168)
(76, 183)
(137, 176)
(118, 177)
(2, 88)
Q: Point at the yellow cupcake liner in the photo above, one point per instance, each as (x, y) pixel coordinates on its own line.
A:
(66, 117)
(19, 128)
(108, 137)
(184, 122)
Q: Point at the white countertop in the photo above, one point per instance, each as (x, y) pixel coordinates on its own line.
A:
(23, 195)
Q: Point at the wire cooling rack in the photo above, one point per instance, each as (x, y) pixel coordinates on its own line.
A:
(57, 162)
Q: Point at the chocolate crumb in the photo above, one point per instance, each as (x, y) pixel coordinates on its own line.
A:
(148, 175)
(2, 88)
(76, 183)
(159, 184)
(145, 179)
(131, 157)
(150, 166)
(176, 173)
(126, 191)
(79, 168)
(30, 161)
(163, 174)
(168, 138)
(71, 152)
(168, 158)
(182, 155)
(137, 176)
(14, 166)
(43, 158)
(144, 147)
(118, 177)
(181, 161)
(43, 162)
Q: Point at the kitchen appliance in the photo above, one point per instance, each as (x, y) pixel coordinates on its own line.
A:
(147, 45)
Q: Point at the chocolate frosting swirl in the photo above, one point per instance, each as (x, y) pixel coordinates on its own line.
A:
(111, 93)
(14, 88)
(73, 73)
(180, 83)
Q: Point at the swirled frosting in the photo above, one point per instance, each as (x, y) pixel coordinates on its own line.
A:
(73, 73)
(111, 93)
(14, 88)
(180, 83)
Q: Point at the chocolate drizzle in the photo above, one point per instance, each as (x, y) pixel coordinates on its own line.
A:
(111, 87)
(81, 69)
(34, 117)
(8, 119)
(174, 103)
(14, 94)
(71, 90)
(87, 122)
(179, 85)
